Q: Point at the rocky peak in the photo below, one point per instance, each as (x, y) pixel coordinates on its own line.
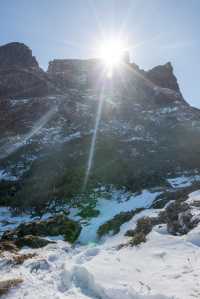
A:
(17, 54)
(163, 76)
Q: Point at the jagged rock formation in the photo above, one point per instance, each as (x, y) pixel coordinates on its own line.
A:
(163, 76)
(147, 131)
(17, 55)
(20, 75)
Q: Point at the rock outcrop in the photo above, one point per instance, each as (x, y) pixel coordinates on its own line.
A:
(20, 75)
(17, 55)
(74, 73)
(163, 76)
(25, 234)
(146, 132)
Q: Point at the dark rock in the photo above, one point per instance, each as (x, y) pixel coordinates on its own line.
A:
(8, 246)
(163, 76)
(145, 132)
(113, 226)
(54, 226)
(32, 241)
(143, 228)
(137, 239)
(20, 75)
(17, 55)
(178, 218)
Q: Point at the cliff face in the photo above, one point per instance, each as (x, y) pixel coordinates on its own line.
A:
(146, 130)
(163, 76)
(18, 55)
(20, 75)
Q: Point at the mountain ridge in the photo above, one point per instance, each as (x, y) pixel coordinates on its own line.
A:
(145, 129)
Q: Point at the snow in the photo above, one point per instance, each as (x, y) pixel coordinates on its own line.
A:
(72, 136)
(6, 176)
(168, 110)
(108, 208)
(8, 221)
(183, 181)
(165, 267)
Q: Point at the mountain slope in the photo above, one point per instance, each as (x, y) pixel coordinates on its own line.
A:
(145, 131)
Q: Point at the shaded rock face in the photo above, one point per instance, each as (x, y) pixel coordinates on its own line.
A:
(70, 73)
(147, 131)
(163, 76)
(17, 54)
(20, 75)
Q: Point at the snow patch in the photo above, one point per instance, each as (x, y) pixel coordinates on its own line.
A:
(183, 181)
(6, 176)
(120, 202)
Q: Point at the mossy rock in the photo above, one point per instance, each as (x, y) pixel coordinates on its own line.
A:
(113, 225)
(32, 241)
(88, 212)
(54, 226)
(138, 239)
(143, 228)
(178, 218)
(144, 225)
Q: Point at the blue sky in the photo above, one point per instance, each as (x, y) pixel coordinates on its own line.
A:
(157, 30)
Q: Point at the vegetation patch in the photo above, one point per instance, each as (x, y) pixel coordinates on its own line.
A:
(113, 225)
(28, 233)
(6, 245)
(88, 212)
(143, 228)
(19, 259)
(181, 194)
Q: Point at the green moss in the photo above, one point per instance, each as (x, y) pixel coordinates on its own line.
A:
(58, 225)
(113, 225)
(138, 239)
(88, 212)
(143, 228)
(32, 241)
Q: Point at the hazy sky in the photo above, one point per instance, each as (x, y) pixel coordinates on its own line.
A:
(157, 30)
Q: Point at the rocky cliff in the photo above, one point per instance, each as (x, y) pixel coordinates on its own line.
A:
(20, 75)
(146, 131)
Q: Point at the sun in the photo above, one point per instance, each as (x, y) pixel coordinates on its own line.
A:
(111, 52)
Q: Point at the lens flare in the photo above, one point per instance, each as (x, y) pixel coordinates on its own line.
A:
(111, 52)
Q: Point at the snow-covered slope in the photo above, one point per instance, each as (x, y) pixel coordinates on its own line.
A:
(165, 267)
